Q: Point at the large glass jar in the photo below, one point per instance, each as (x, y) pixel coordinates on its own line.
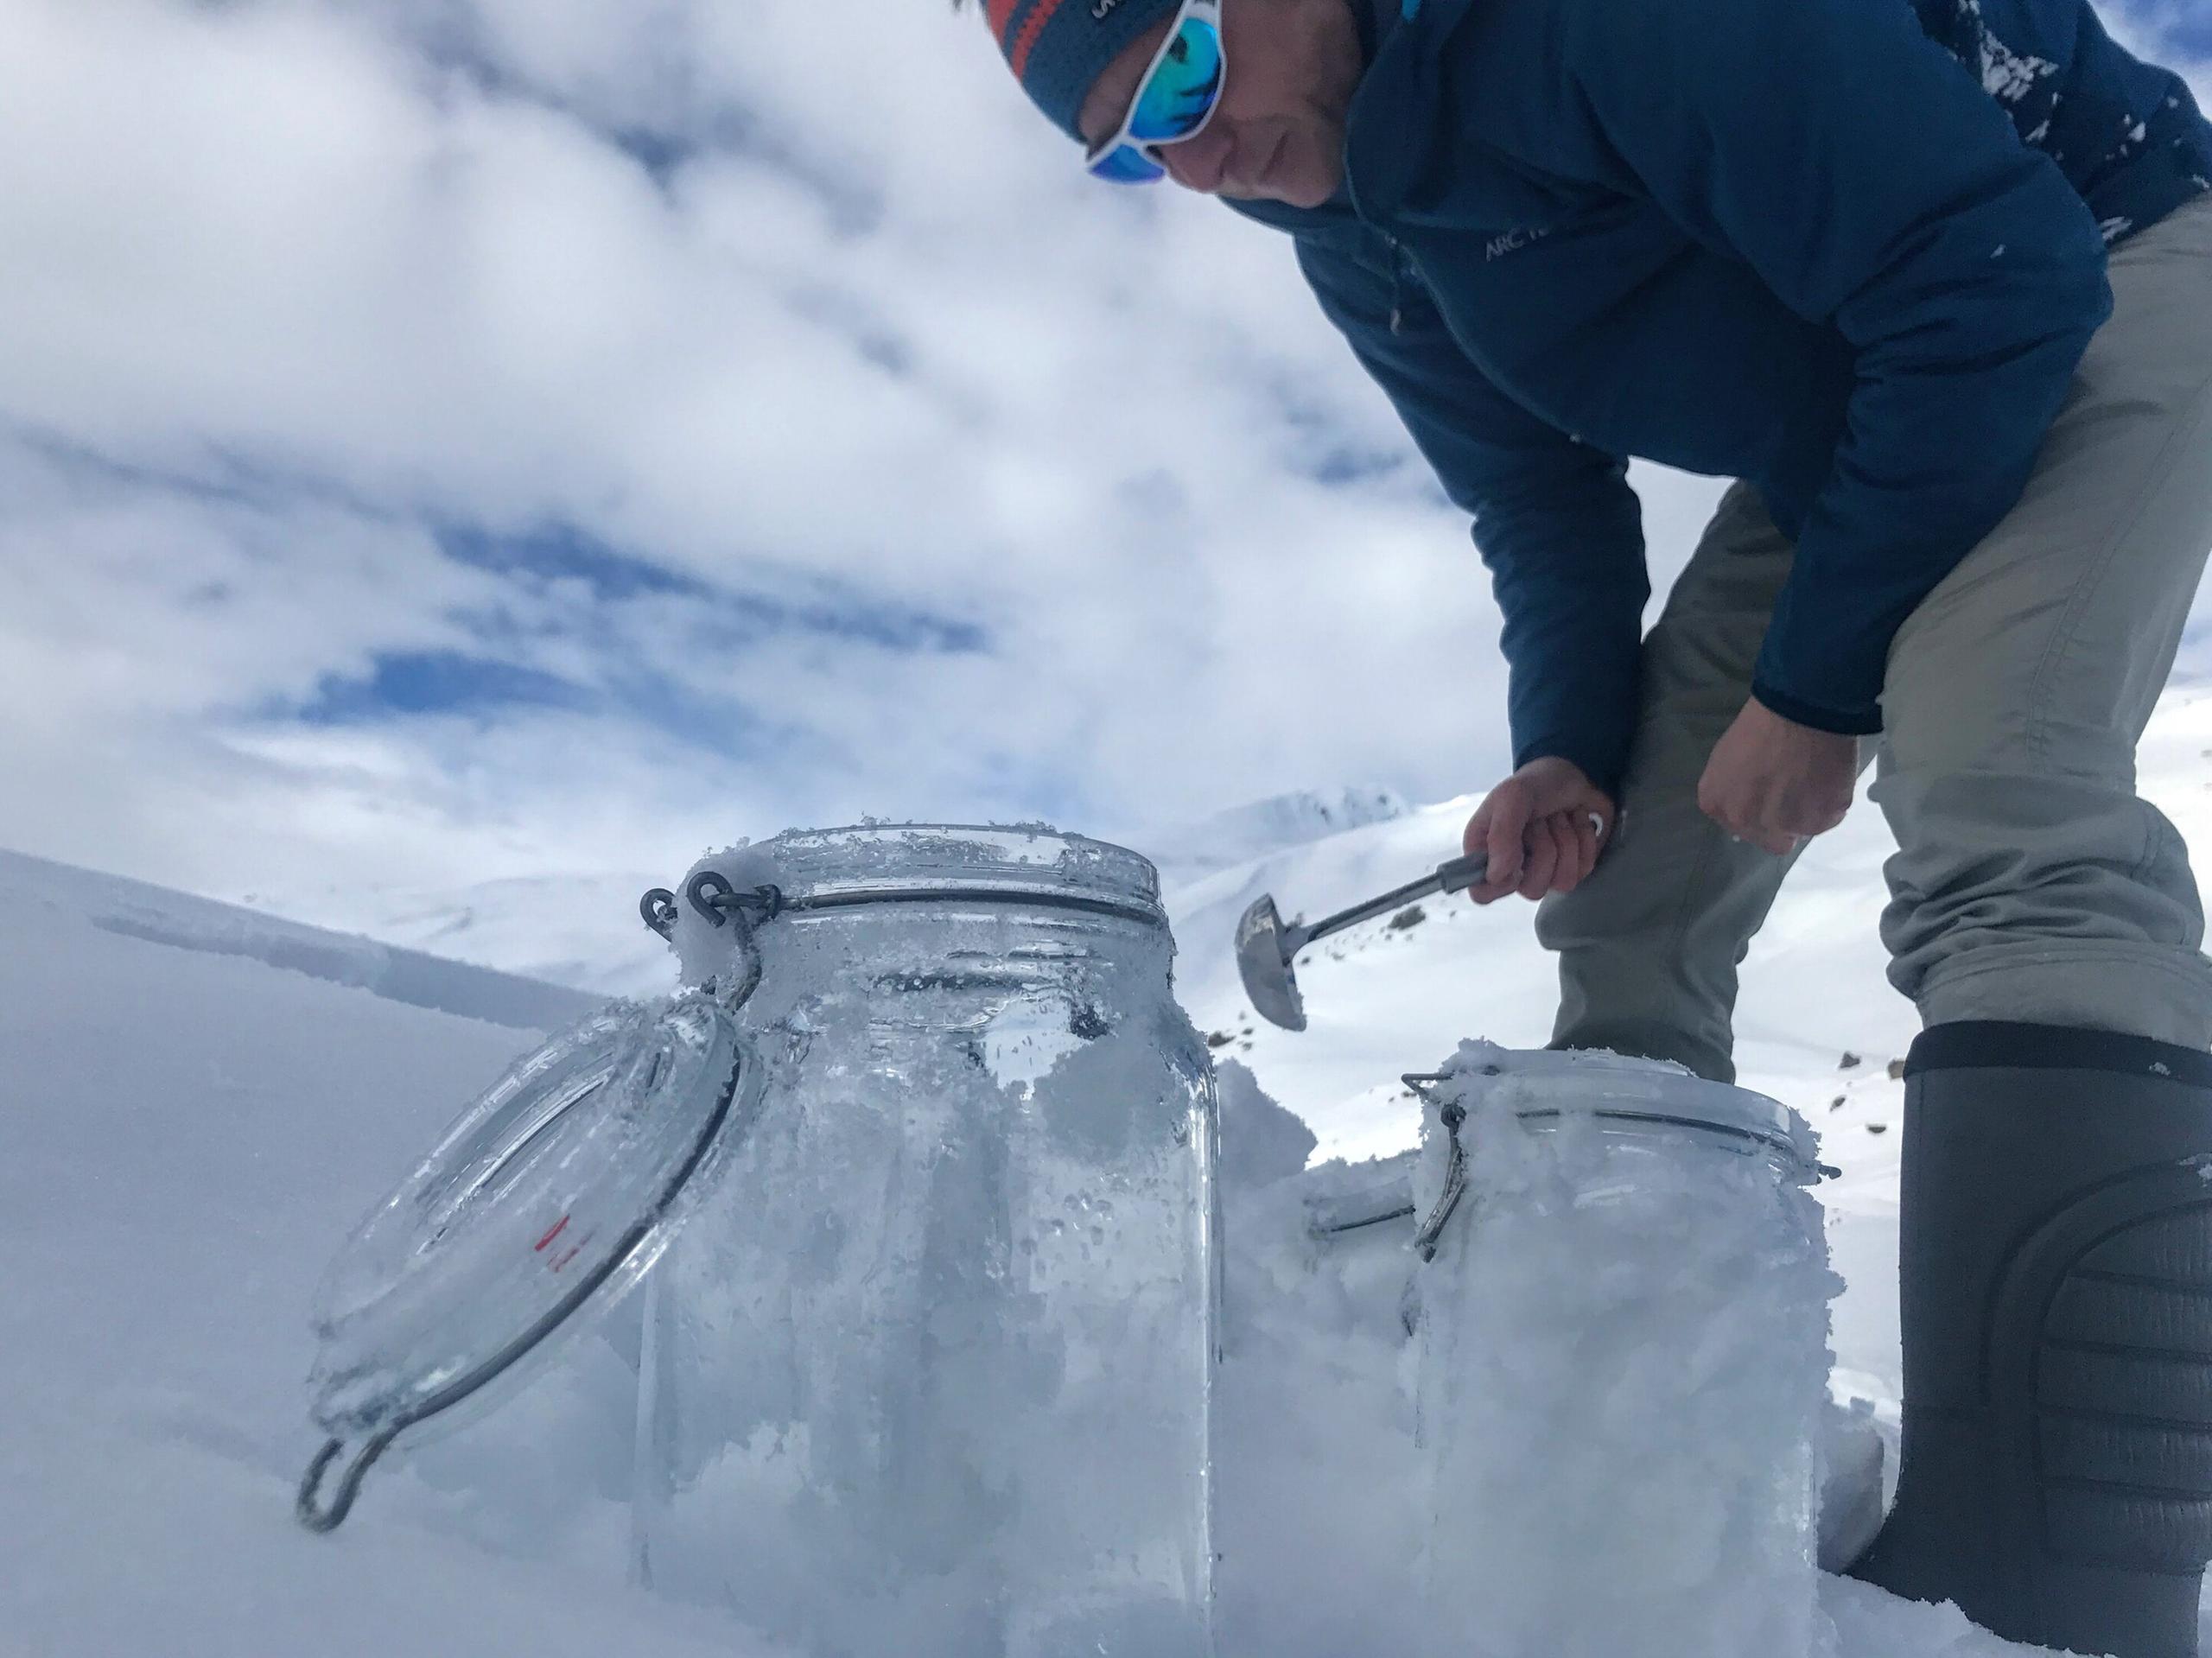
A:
(927, 1370)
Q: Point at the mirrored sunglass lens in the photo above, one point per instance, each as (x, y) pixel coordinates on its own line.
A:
(1175, 101)
(1125, 164)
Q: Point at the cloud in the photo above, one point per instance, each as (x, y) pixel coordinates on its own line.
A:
(451, 439)
(443, 406)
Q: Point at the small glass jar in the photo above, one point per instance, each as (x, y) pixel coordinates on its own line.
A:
(1623, 1359)
(928, 1368)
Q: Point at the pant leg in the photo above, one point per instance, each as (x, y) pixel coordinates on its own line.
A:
(2031, 882)
(1649, 946)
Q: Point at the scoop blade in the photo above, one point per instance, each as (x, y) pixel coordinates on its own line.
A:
(1263, 963)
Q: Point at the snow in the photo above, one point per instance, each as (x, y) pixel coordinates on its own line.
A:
(133, 910)
(185, 1135)
(581, 929)
(196, 1102)
(1318, 1528)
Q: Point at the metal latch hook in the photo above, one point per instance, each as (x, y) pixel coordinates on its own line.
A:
(312, 1513)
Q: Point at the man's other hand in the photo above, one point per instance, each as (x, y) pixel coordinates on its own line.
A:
(1542, 829)
(1777, 784)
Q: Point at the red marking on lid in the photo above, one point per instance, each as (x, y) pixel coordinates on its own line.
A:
(575, 1250)
(559, 1227)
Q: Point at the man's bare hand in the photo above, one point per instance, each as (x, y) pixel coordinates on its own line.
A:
(1542, 829)
(1777, 783)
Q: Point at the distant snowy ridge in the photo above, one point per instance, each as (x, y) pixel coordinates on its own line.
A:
(581, 929)
(1818, 1025)
(1241, 834)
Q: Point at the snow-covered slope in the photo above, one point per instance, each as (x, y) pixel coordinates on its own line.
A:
(130, 909)
(581, 929)
(195, 1104)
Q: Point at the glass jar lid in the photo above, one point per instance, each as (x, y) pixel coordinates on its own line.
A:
(1627, 1094)
(548, 1198)
(816, 870)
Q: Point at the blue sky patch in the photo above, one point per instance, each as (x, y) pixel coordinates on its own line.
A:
(720, 617)
(637, 624)
(434, 682)
(561, 552)
(406, 684)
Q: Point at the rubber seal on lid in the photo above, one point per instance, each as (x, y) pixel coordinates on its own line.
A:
(1625, 1091)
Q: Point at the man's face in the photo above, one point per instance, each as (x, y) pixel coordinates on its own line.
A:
(1278, 133)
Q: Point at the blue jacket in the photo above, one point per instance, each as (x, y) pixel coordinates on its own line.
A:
(1851, 250)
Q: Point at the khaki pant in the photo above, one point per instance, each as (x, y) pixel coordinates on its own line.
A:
(2030, 883)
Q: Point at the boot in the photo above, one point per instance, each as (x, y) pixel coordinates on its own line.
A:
(2056, 1269)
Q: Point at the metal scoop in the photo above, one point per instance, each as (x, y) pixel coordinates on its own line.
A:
(1266, 947)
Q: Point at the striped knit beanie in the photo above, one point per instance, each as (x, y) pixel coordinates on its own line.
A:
(1059, 48)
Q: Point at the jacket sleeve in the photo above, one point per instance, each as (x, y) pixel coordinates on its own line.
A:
(1554, 521)
(1874, 186)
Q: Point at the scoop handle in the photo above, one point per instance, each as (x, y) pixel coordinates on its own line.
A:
(1455, 876)
(1461, 872)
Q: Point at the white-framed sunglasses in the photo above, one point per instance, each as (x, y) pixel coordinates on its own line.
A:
(1176, 98)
